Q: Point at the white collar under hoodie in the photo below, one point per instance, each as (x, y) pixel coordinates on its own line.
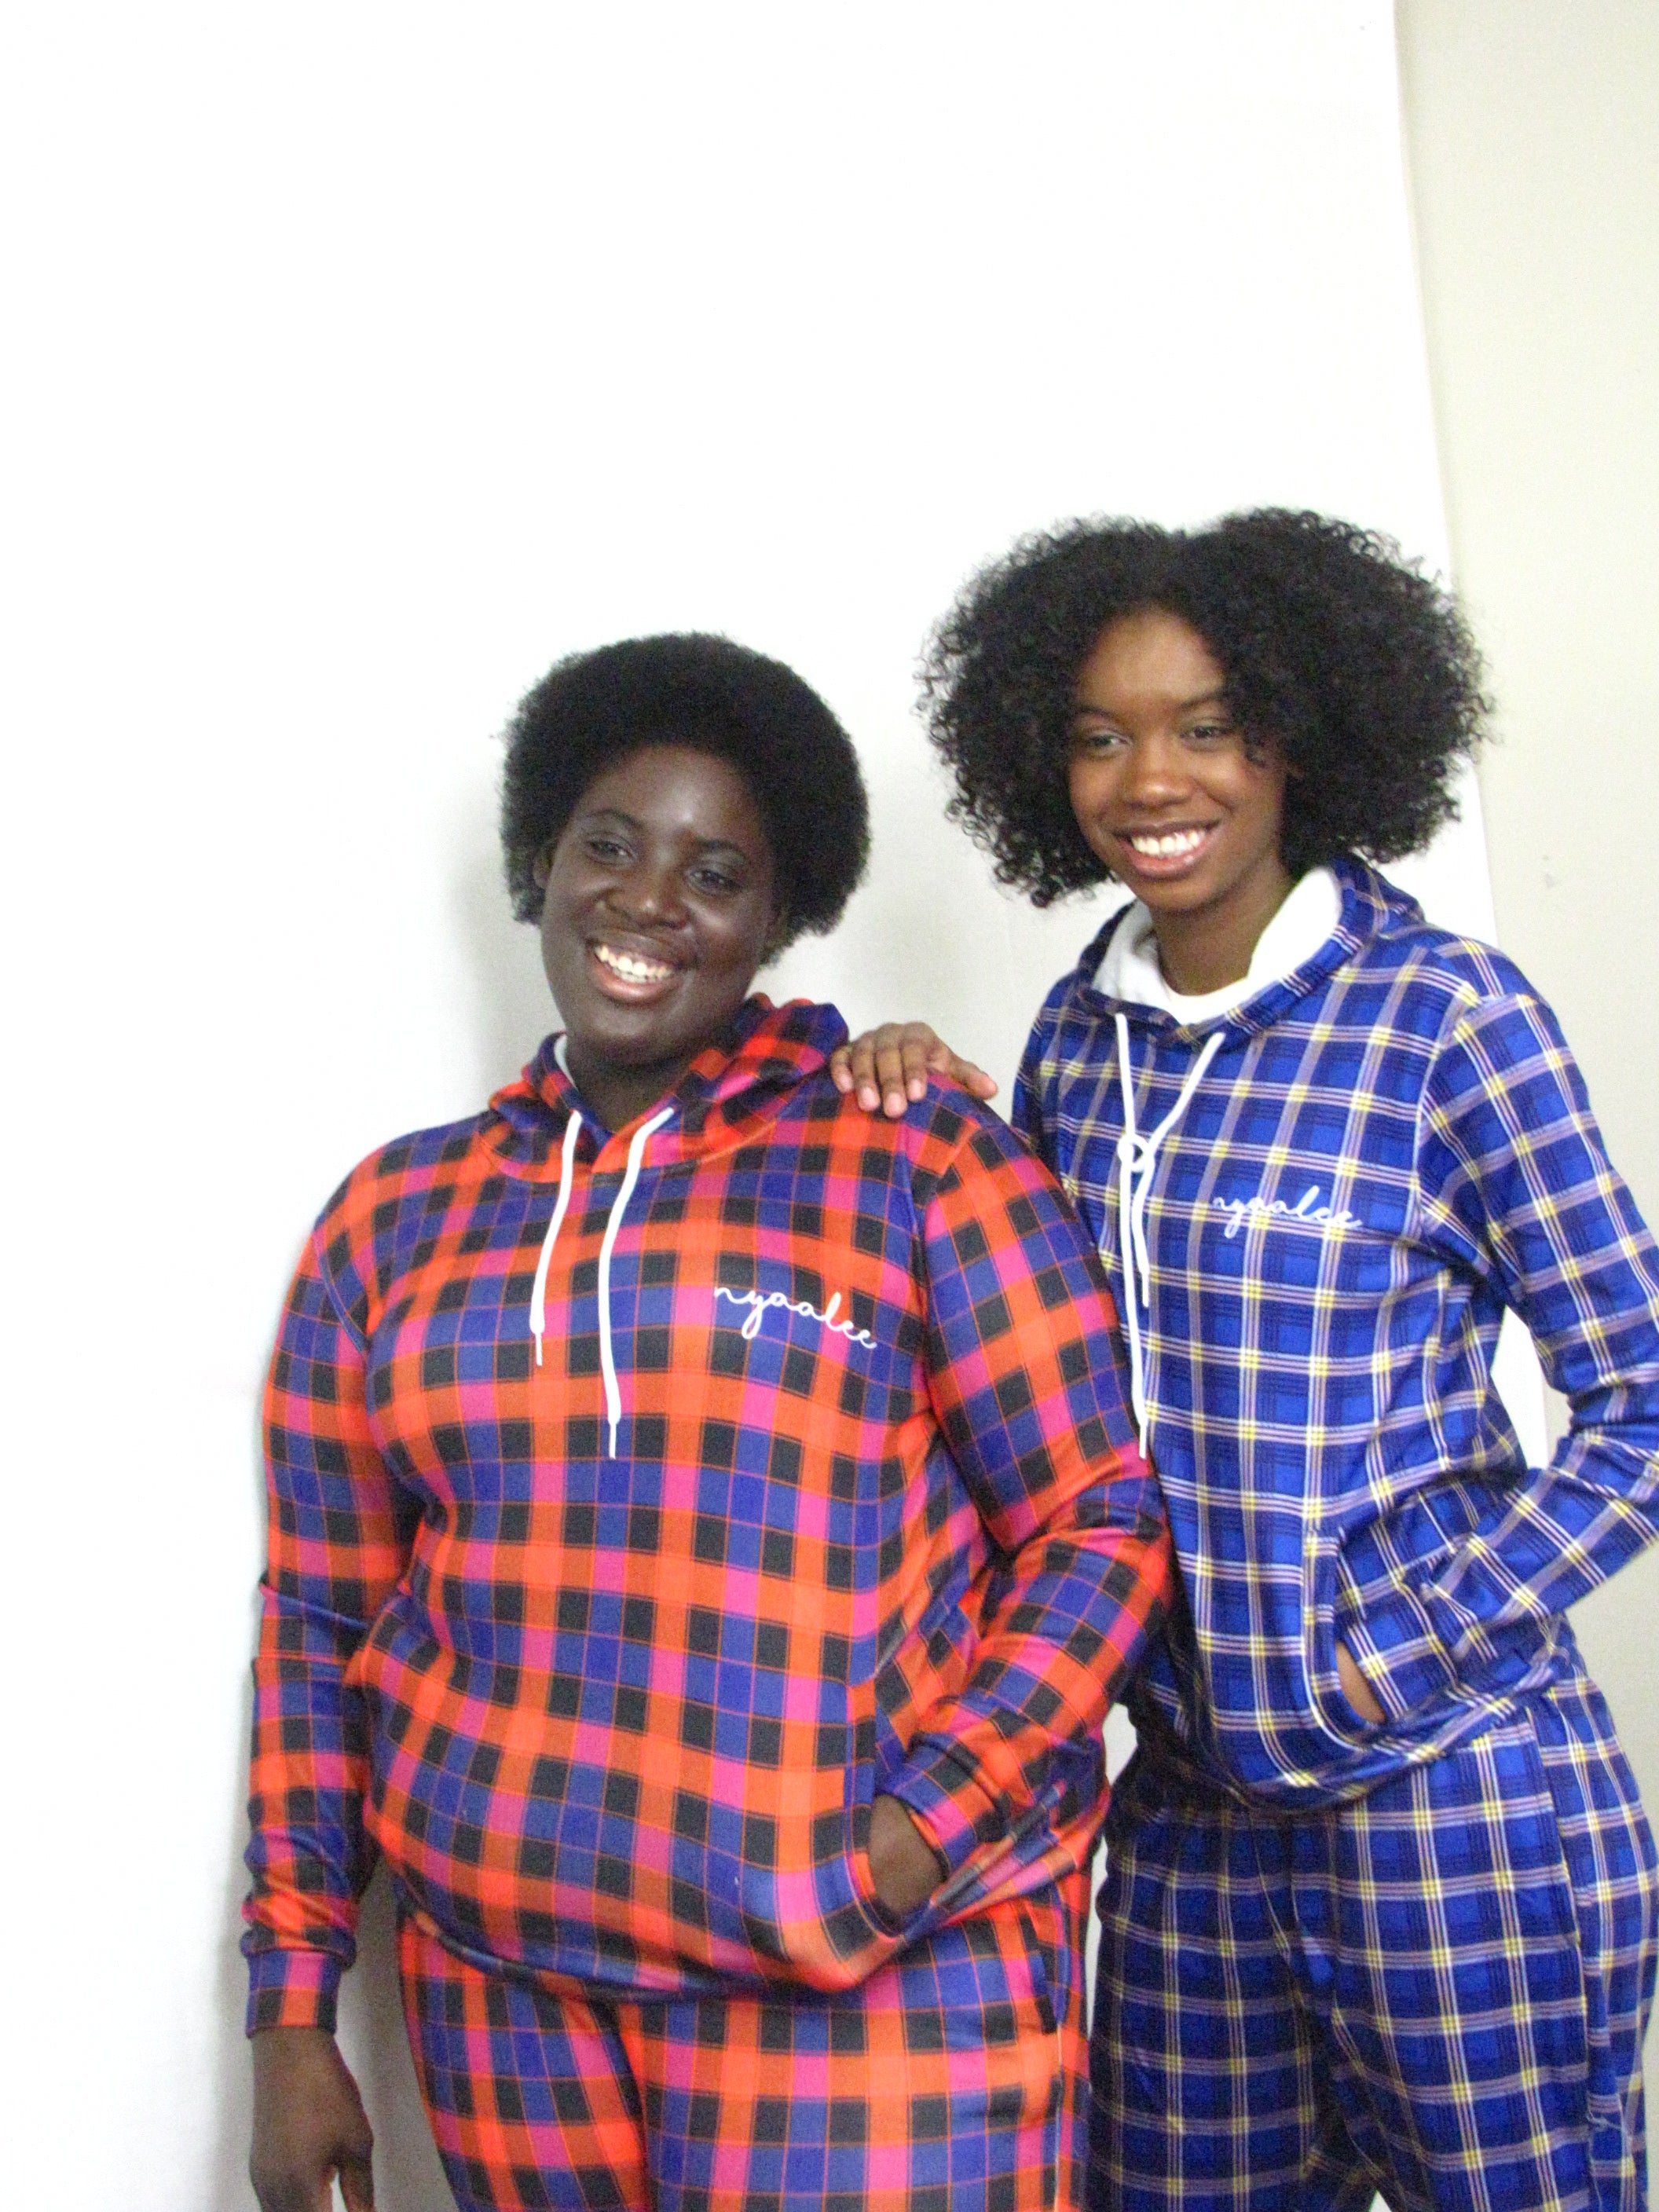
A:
(1129, 972)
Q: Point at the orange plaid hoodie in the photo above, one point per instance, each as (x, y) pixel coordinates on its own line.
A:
(644, 1502)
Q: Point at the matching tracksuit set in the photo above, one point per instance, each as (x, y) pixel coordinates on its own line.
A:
(1337, 1957)
(643, 1503)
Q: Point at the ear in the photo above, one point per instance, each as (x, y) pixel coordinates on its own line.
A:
(541, 866)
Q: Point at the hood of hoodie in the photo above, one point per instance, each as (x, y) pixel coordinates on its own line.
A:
(1131, 970)
(732, 1088)
(1371, 907)
(541, 1129)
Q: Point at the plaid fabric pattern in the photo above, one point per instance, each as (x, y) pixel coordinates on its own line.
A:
(1390, 1148)
(1438, 1990)
(953, 2081)
(875, 1520)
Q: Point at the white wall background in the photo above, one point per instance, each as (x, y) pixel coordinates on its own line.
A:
(1533, 139)
(365, 359)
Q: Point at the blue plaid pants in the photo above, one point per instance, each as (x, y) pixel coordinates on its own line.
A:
(1437, 1992)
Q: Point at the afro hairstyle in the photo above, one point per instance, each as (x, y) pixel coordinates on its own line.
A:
(593, 710)
(1333, 645)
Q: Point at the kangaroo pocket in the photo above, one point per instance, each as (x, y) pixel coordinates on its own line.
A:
(814, 1916)
(629, 1833)
(1400, 1572)
(1271, 1714)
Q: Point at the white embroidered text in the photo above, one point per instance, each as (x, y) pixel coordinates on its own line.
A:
(762, 1301)
(1307, 1211)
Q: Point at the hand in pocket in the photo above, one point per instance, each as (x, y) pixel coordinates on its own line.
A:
(901, 1866)
(1356, 1689)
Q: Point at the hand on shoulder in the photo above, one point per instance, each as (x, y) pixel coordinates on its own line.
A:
(887, 1068)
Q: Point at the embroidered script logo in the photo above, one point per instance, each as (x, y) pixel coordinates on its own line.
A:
(1307, 1211)
(762, 1301)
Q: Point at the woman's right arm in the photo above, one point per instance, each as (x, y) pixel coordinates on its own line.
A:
(888, 1068)
(336, 1547)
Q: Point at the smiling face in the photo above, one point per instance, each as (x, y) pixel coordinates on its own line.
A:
(1167, 795)
(658, 906)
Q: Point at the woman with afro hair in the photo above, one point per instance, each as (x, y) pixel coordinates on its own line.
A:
(704, 1539)
(1379, 1911)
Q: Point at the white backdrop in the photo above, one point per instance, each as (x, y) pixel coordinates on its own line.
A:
(365, 359)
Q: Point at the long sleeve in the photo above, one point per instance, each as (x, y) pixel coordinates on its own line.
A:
(1024, 1376)
(336, 1550)
(1517, 1188)
(1026, 1115)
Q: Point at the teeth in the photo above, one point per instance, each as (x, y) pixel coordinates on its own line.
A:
(631, 967)
(1166, 846)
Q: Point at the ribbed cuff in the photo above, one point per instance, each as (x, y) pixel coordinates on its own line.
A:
(953, 1810)
(292, 1989)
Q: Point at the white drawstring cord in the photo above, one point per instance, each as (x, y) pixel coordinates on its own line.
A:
(607, 1358)
(1136, 1159)
(1127, 1144)
(619, 1206)
(538, 1295)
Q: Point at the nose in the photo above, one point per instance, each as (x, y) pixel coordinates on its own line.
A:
(1156, 769)
(652, 893)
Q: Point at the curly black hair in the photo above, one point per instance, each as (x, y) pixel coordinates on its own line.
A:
(1333, 645)
(691, 688)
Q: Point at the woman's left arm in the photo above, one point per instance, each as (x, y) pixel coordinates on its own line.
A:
(1511, 1167)
(1025, 1370)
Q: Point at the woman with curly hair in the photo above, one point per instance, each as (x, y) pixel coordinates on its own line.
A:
(1379, 1912)
(704, 1538)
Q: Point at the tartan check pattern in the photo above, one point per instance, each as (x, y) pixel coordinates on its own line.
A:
(1438, 1990)
(953, 2080)
(1390, 1148)
(875, 1520)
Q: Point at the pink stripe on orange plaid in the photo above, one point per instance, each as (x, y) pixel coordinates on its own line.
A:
(619, 1720)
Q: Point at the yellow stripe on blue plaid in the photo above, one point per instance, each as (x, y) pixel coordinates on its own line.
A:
(1437, 1991)
(1389, 1148)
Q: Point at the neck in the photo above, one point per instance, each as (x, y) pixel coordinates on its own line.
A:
(1206, 950)
(621, 1095)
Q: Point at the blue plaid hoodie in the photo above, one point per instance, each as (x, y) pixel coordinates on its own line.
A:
(1327, 1198)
